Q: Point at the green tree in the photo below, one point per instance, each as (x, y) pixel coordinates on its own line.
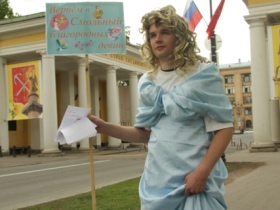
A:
(5, 10)
(127, 33)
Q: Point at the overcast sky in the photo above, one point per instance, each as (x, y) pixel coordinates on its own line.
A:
(231, 27)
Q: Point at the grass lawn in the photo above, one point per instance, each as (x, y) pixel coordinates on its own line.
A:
(124, 195)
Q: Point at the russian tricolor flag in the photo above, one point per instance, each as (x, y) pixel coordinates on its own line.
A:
(192, 14)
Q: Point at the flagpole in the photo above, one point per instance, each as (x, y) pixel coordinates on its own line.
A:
(213, 39)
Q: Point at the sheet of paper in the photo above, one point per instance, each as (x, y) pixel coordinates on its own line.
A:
(79, 130)
(75, 126)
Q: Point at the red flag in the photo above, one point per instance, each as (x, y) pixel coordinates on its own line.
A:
(212, 25)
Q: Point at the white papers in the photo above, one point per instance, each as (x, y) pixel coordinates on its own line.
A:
(75, 126)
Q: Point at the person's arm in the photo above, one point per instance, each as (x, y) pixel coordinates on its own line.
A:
(196, 181)
(125, 133)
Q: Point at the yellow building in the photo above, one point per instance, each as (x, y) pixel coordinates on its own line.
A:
(264, 24)
(23, 40)
(113, 86)
(237, 84)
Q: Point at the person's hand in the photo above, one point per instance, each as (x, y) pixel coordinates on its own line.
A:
(195, 182)
(98, 122)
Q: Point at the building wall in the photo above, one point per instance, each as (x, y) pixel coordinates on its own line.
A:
(124, 105)
(19, 137)
(24, 39)
(257, 2)
(263, 14)
(237, 84)
(275, 56)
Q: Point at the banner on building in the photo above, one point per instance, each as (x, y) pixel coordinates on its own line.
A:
(24, 94)
(85, 27)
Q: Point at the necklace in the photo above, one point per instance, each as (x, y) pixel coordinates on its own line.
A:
(167, 70)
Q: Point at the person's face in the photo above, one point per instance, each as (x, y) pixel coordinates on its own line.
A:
(162, 42)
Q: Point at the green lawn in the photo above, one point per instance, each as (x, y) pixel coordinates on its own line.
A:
(123, 195)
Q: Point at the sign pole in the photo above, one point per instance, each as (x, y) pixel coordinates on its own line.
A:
(213, 40)
(91, 152)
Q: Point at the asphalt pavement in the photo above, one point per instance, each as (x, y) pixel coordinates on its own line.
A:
(33, 159)
(258, 190)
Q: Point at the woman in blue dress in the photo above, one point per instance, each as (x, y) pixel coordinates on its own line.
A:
(181, 105)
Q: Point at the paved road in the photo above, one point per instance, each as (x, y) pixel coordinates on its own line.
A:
(29, 185)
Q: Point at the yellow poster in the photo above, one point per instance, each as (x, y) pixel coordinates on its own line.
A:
(276, 58)
(24, 91)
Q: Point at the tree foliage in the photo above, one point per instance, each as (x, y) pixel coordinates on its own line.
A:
(5, 10)
(127, 33)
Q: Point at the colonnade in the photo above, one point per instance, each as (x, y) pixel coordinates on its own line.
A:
(261, 83)
(45, 128)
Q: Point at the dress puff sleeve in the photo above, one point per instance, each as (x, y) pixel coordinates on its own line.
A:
(150, 107)
(201, 94)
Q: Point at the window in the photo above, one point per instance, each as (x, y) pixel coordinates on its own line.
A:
(232, 100)
(246, 89)
(246, 77)
(229, 79)
(248, 111)
(229, 90)
(12, 125)
(247, 100)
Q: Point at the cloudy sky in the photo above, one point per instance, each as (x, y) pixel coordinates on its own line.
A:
(231, 27)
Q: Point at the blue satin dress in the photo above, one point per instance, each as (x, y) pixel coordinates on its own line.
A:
(179, 141)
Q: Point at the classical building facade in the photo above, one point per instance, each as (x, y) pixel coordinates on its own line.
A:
(264, 24)
(113, 86)
(113, 82)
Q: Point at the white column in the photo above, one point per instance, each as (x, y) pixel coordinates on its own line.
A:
(72, 95)
(4, 132)
(95, 106)
(49, 121)
(260, 87)
(112, 102)
(82, 92)
(133, 81)
(67, 96)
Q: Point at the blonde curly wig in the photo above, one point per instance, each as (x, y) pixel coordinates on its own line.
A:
(186, 47)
